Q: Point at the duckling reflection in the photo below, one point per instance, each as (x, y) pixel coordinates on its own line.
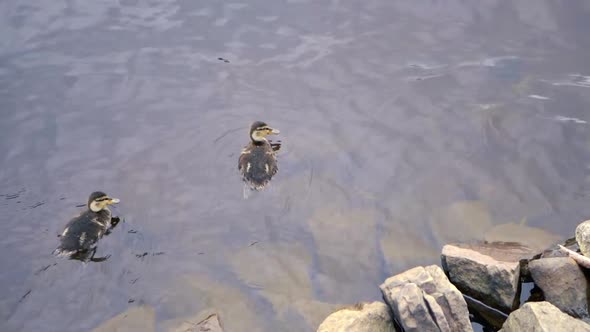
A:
(80, 236)
(258, 162)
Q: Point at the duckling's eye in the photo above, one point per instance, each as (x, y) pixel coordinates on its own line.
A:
(101, 199)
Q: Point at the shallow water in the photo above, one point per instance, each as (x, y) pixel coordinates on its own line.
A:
(404, 126)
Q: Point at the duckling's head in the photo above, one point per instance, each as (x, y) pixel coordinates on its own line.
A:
(99, 201)
(259, 130)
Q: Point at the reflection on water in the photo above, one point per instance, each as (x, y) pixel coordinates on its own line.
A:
(404, 126)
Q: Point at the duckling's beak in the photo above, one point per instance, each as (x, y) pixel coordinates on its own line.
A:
(113, 201)
(274, 131)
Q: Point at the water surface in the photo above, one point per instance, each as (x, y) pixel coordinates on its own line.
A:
(404, 125)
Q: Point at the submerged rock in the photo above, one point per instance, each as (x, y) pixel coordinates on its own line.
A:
(363, 317)
(563, 284)
(488, 272)
(136, 319)
(423, 299)
(210, 324)
(542, 316)
(583, 237)
(194, 297)
(347, 260)
(535, 238)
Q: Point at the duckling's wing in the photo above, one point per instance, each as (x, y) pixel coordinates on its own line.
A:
(244, 157)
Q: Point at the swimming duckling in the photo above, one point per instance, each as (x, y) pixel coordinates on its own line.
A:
(258, 161)
(81, 234)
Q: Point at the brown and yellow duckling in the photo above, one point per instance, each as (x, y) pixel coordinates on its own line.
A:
(258, 161)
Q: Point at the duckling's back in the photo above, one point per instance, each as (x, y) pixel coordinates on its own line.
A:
(83, 232)
(258, 165)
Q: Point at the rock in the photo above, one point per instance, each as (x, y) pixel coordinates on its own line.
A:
(542, 317)
(583, 237)
(488, 272)
(207, 320)
(363, 317)
(210, 324)
(563, 284)
(136, 319)
(423, 299)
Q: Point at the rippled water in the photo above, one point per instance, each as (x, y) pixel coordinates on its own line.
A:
(405, 125)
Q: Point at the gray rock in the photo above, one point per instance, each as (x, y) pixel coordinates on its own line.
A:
(363, 317)
(583, 237)
(563, 284)
(542, 317)
(210, 324)
(423, 299)
(488, 272)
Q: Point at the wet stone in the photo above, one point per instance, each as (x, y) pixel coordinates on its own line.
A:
(488, 272)
(423, 299)
(563, 284)
(363, 317)
(583, 237)
(542, 316)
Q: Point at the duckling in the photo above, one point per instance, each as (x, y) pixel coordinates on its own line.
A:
(258, 161)
(80, 236)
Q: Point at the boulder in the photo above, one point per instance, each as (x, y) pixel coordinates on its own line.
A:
(423, 299)
(563, 284)
(362, 317)
(542, 317)
(583, 237)
(488, 272)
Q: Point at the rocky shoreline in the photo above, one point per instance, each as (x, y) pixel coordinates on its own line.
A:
(502, 286)
(506, 287)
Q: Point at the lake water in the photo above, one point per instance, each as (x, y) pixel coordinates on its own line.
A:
(405, 125)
